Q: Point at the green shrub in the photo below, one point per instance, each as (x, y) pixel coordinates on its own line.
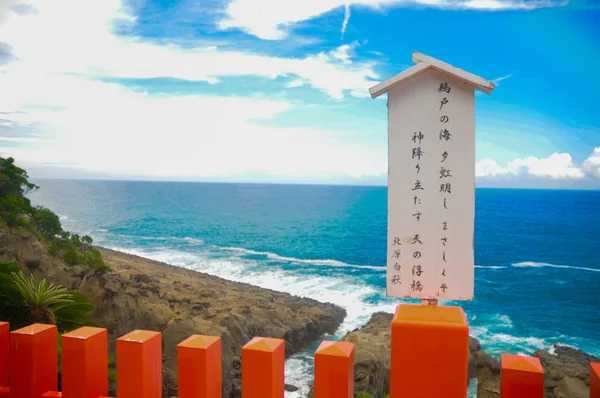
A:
(75, 240)
(112, 373)
(11, 208)
(71, 256)
(94, 260)
(86, 243)
(53, 249)
(46, 222)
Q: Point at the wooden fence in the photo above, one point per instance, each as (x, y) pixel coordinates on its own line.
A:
(428, 360)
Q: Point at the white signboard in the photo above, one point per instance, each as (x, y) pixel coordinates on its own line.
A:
(431, 186)
(431, 189)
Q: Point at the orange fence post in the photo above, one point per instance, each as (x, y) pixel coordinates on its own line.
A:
(139, 365)
(4, 344)
(429, 342)
(263, 368)
(4, 339)
(85, 363)
(34, 361)
(334, 370)
(199, 367)
(521, 377)
(594, 380)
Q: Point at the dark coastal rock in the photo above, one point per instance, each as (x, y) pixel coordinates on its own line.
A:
(145, 294)
(488, 375)
(567, 373)
(371, 356)
(32, 263)
(290, 388)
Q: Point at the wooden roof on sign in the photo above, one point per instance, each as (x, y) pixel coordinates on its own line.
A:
(424, 62)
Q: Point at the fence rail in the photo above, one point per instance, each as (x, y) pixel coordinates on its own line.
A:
(28, 363)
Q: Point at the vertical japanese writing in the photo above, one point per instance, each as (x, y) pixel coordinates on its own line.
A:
(396, 256)
(418, 139)
(445, 175)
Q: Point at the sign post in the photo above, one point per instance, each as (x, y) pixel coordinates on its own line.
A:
(431, 208)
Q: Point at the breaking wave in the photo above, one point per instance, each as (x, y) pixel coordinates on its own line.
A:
(541, 265)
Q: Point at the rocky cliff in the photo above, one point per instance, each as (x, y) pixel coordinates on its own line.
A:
(144, 294)
(566, 372)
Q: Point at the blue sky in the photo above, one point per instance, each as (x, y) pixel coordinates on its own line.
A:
(271, 90)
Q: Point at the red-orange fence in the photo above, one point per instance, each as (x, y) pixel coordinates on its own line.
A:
(28, 363)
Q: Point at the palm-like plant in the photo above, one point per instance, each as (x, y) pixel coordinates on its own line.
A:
(26, 300)
(40, 297)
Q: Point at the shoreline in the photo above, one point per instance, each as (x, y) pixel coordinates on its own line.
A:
(144, 294)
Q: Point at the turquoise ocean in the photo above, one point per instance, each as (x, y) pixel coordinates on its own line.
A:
(537, 252)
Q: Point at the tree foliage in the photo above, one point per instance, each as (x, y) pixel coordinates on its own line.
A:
(46, 222)
(71, 257)
(16, 211)
(14, 180)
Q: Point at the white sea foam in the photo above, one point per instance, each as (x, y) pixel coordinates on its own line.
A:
(298, 372)
(142, 237)
(273, 256)
(505, 321)
(193, 240)
(495, 343)
(189, 240)
(472, 391)
(519, 341)
(540, 265)
(491, 266)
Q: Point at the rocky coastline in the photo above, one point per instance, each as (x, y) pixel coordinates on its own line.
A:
(143, 294)
(140, 293)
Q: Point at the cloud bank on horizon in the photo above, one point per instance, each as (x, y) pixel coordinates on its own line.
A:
(252, 90)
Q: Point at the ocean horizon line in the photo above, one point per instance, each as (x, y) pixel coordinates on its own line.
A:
(303, 184)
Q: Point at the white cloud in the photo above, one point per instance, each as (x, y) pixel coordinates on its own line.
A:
(344, 53)
(271, 19)
(489, 168)
(96, 51)
(295, 83)
(346, 18)
(558, 166)
(499, 79)
(80, 121)
(592, 164)
(103, 127)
